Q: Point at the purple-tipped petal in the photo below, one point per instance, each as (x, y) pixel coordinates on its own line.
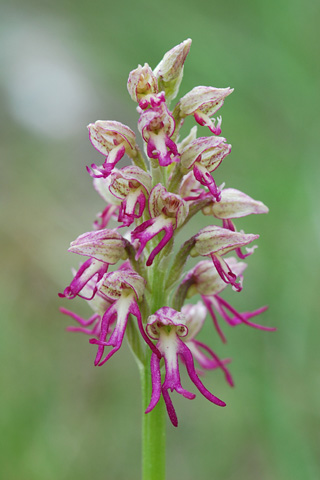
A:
(148, 230)
(104, 218)
(168, 229)
(107, 319)
(187, 355)
(205, 178)
(217, 363)
(214, 318)
(241, 317)
(134, 309)
(156, 382)
(225, 272)
(170, 408)
(86, 272)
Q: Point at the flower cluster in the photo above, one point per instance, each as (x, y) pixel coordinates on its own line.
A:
(153, 198)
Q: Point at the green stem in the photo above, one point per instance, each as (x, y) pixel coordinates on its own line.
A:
(176, 178)
(153, 423)
(153, 431)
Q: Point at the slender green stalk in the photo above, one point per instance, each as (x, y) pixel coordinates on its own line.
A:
(153, 431)
(153, 423)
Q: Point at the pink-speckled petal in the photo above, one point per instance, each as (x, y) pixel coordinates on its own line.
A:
(105, 245)
(235, 204)
(106, 134)
(219, 241)
(141, 83)
(204, 99)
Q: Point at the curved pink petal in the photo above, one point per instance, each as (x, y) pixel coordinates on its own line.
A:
(156, 382)
(105, 324)
(241, 317)
(134, 309)
(206, 179)
(217, 363)
(170, 408)
(148, 230)
(214, 318)
(86, 272)
(104, 217)
(226, 274)
(187, 355)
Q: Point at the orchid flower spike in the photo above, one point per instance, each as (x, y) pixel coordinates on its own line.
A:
(151, 199)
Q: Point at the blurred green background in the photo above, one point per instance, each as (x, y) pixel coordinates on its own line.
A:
(65, 64)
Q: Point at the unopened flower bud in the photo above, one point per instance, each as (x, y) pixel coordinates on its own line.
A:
(170, 70)
(234, 204)
(105, 245)
(216, 240)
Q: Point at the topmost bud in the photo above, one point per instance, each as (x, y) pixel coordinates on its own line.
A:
(169, 71)
(142, 83)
